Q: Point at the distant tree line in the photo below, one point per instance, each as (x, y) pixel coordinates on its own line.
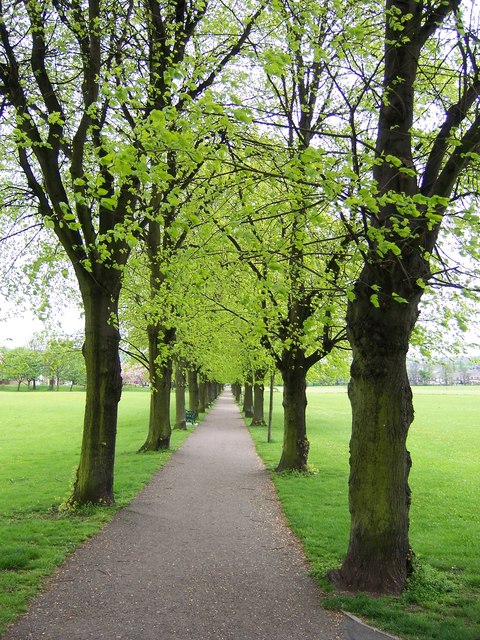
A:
(58, 363)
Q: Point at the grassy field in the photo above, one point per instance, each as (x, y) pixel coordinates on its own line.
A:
(442, 601)
(40, 436)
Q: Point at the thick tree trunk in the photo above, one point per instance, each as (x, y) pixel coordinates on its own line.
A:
(379, 556)
(159, 428)
(258, 401)
(193, 401)
(180, 382)
(295, 443)
(94, 480)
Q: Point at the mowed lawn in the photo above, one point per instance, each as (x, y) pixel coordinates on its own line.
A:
(443, 600)
(40, 438)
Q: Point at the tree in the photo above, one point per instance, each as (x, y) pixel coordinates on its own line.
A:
(62, 110)
(88, 92)
(184, 61)
(286, 229)
(23, 365)
(180, 384)
(63, 361)
(258, 418)
(430, 62)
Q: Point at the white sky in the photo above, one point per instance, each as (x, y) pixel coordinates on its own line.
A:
(18, 326)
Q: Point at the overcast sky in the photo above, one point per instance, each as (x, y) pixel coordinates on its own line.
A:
(17, 327)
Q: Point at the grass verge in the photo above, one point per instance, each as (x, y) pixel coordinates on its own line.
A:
(40, 437)
(442, 599)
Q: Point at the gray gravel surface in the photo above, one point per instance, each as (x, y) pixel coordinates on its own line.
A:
(202, 553)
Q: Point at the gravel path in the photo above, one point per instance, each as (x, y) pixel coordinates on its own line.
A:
(202, 553)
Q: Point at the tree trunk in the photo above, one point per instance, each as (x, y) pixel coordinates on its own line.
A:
(180, 421)
(193, 399)
(159, 428)
(295, 443)
(237, 391)
(248, 400)
(258, 398)
(270, 407)
(94, 480)
(379, 555)
(202, 396)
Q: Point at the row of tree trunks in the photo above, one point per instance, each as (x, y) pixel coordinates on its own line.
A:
(253, 398)
(237, 391)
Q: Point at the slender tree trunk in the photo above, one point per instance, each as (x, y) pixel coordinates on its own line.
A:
(202, 396)
(94, 480)
(159, 428)
(180, 422)
(270, 407)
(193, 399)
(248, 400)
(258, 401)
(295, 443)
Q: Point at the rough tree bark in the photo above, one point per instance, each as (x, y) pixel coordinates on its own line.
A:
(95, 474)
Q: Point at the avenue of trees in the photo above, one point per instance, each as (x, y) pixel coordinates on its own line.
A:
(247, 186)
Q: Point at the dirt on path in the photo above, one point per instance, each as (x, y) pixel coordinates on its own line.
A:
(203, 553)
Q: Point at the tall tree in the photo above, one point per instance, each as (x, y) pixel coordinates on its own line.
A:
(58, 60)
(430, 65)
(184, 61)
(286, 229)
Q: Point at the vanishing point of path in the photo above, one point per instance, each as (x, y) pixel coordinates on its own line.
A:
(202, 553)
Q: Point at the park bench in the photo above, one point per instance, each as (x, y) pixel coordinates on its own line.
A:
(191, 416)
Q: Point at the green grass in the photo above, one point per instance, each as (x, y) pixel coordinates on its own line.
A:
(40, 437)
(442, 600)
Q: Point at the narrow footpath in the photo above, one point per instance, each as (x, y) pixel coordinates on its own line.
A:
(203, 553)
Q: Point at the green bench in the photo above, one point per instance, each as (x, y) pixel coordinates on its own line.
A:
(191, 416)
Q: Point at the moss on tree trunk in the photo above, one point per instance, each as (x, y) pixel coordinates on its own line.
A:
(94, 479)
(159, 427)
(379, 555)
(295, 443)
